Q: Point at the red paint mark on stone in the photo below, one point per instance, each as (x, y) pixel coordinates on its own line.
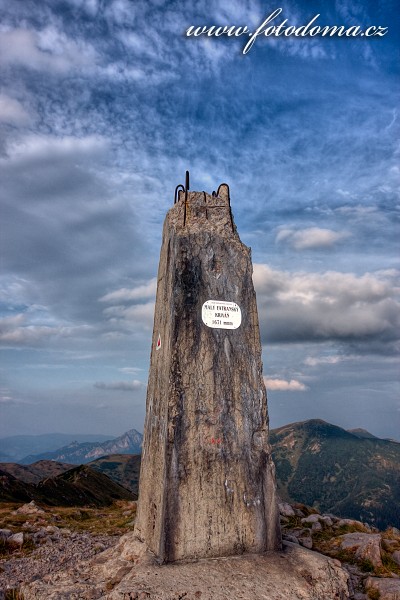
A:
(216, 441)
(158, 345)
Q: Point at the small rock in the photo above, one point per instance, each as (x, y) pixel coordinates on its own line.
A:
(39, 534)
(396, 557)
(316, 526)
(65, 532)
(310, 519)
(326, 520)
(349, 523)
(286, 510)
(52, 529)
(333, 518)
(367, 546)
(290, 538)
(4, 534)
(17, 539)
(300, 531)
(306, 541)
(29, 509)
(284, 520)
(388, 589)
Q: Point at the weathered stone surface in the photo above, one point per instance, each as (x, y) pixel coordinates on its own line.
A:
(389, 589)
(286, 510)
(30, 509)
(296, 574)
(311, 519)
(396, 557)
(207, 485)
(4, 534)
(351, 523)
(306, 541)
(365, 545)
(17, 539)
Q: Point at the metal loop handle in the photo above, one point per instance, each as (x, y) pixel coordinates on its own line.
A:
(176, 195)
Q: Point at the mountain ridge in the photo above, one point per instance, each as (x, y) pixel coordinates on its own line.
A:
(325, 466)
(77, 453)
(79, 486)
(13, 448)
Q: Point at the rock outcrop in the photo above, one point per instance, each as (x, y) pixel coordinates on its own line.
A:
(366, 546)
(68, 565)
(207, 485)
(294, 573)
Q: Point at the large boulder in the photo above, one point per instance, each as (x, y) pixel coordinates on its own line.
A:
(294, 574)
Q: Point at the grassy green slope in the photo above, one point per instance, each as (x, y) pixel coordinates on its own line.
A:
(122, 468)
(336, 471)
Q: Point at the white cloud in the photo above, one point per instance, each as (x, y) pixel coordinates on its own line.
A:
(314, 361)
(310, 238)
(281, 385)
(6, 397)
(139, 314)
(333, 306)
(90, 6)
(46, 147)
(45, 50)
(12, 111)
(147, 290)
(21, 330)
(125, 386)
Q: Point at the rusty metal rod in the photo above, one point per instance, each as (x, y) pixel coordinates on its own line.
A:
(186, 192)
(176, 195)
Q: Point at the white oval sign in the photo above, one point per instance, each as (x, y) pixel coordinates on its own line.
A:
(221, 315)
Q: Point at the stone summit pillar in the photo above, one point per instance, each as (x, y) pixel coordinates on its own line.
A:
(207, 481)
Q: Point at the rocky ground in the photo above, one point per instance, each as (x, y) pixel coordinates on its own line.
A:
(78, 555)
(371, 558)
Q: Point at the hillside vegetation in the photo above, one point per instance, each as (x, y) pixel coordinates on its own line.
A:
(80, 486)
(338, 471)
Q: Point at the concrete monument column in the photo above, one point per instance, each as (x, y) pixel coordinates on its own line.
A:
(207, 482)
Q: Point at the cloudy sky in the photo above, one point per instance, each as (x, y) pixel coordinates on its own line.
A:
(103, 105)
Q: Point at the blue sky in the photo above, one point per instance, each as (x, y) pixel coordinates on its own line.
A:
(103, 106)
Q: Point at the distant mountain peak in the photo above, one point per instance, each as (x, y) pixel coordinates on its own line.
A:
(349, 473)
(362, 433)
(76, 453)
